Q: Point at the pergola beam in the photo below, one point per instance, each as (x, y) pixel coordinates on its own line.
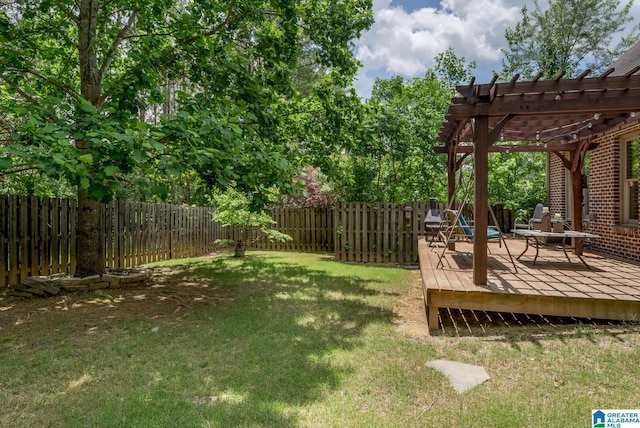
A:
(566, 128)
(562, 85)
(576, 105)
(518, 148)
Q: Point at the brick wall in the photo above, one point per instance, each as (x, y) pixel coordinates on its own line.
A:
(557, 185)
(604, 183)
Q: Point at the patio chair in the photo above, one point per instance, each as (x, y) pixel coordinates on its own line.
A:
(432, 224)
(456, 227)
(536, 220)
(459, 229)
(519, 223)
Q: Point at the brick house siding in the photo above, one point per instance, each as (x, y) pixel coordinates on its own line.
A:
(605, 199)
(557, 185)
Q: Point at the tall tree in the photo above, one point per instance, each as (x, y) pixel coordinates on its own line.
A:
(453, 69)
(570, 36)
(77, 75)
(517, 180)
(393, 161)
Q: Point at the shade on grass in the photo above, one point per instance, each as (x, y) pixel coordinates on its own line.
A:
(282, 339)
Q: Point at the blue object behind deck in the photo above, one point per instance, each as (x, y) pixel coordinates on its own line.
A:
(468, 230)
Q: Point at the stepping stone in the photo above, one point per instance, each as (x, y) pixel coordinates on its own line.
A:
(461, 376)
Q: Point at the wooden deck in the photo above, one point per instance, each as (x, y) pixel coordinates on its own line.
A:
(609, 290)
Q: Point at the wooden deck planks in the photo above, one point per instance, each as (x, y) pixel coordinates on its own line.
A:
(610, 290)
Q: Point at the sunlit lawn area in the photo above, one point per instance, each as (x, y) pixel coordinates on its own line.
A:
(287, 340)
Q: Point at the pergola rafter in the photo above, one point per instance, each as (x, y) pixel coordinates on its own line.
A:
(557, 115)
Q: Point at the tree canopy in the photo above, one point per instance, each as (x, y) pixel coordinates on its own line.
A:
(569, 36)
(392, 160)
(80, 76)
(78, 80)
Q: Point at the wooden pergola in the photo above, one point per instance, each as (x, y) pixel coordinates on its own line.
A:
(558, 115)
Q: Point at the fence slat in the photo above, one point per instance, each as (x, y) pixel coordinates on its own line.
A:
(72, 219)
(54, 222)
(4, 250)
(44, 251)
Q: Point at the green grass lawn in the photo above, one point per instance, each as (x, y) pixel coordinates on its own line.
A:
(288, 340)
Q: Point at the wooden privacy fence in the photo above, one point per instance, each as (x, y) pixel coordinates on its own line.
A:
(312, 230)
(38, 235)
(378, 233)
(389, 233)
(137, 233)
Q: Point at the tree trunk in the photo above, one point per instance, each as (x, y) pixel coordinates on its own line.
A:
(90, 251)
(87, 57)
(90, 246)
(239, 249)
(241, 243)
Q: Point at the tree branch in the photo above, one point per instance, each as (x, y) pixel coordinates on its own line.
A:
(140, 36)
(216, 28)
(69, 13)
(22, 168)
(124, 31)
(62, 87)
(19, 90)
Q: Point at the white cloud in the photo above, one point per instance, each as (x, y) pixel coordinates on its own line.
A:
(404, 39)
(405, 43)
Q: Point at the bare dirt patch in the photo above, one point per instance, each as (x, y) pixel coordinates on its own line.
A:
(167, 297)
(410, 310)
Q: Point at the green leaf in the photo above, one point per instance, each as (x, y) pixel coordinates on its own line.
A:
(53, 100)
(84, 183)
(98, 191)
(87, 107)
(6, 163)
(139, 156)
(160, 191)
(58, 158)
(111, 170)
(173, 171)
(86, 158)
(33, 121)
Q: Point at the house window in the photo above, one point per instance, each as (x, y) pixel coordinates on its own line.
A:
(630, 166)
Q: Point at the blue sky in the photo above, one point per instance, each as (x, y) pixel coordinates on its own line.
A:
(408, 34)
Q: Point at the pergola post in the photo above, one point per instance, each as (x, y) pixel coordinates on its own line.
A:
(451, 180)
(576, 198)
(481, 200)
(451, 190)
